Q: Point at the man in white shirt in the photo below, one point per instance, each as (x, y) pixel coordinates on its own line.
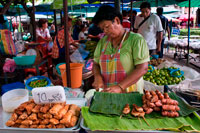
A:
(150, 27)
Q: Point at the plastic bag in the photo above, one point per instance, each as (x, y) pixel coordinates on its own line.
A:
(76, 57)
(9, 65)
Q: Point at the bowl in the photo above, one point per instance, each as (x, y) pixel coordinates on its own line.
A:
(155, 56)
(12, 99)
(25, 60)
(36, 78)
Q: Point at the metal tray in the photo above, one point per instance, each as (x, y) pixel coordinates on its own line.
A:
(132, 131)
(4, 116)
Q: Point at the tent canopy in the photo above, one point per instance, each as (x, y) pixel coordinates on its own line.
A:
(194, 3)
(155, 3)
(58, 4)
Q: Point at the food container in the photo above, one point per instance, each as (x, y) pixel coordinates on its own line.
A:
(36, 78)
(12, 99)
(25, 60)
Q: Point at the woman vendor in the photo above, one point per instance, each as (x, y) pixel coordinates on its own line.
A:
(121, 57)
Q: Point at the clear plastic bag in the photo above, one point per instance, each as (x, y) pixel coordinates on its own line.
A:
(76, 57)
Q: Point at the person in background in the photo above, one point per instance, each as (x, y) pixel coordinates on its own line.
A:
(3, 22)
(58, 50)
(134, 14)
(76, 29)
(94, 32)
(42, 32)
(165, 25)
(81, 36)
(121, 57)
(125, 22)
(150, 27)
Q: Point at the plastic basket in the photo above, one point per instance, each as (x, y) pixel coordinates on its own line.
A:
(155, 56)
(11, 86)
(178, 76)
(152, 68)
(36, 78)
(25, 60)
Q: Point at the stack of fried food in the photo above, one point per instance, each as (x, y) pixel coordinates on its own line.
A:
(156, 101)
(156, 62)
(32, 115)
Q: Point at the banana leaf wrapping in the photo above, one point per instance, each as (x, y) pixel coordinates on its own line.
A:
(113, 104)
(96, 121)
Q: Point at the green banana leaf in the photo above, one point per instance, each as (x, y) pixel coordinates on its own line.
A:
(113, 104)
(96, 121)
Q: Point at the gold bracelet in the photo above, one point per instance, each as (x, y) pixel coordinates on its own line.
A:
(121, 88)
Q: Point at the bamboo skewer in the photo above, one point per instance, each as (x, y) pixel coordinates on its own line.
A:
(140, 121)
(146, 121)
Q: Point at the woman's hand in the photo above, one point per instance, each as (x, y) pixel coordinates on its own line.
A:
(113, 89)
(98, 83)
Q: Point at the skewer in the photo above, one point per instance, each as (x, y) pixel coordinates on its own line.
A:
(146, 121)
(195, 102)
(189, 94)
(140, 121)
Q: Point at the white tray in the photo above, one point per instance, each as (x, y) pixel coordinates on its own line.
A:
(4, 116)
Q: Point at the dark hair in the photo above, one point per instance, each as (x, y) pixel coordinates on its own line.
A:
(2, 20)
(42, 21)
(82, 26)
(62, 22)
(106, 12)
(145, 5)
(159, 10)
(124, 13)
(134, 12)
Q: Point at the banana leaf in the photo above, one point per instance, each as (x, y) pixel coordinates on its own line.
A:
(113, 104)
(96, 121)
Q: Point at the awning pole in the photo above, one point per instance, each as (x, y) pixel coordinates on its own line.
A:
(131, 14)
(188, 47)
(66, 44)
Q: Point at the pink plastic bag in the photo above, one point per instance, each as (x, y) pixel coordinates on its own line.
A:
(9, 65)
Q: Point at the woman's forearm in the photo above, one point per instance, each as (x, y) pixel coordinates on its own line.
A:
(96, 70)
(136, 74)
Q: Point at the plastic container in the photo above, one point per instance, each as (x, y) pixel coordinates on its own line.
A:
(25, 60)
(11, 86)
(12, 99)
(155, 56)
(58, 69)
(172, 73)
(76, 70)
(152, 68)
(34, 79)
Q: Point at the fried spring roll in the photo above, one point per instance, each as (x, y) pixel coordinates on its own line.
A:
(67, 117)
(55, 109)
(36, 109)
(60, 126)
(33, 116)
(62, 112)
(41, 126)
(10, 123)
(24, 126)
(54, 121)
(14, 117)
(23, 116)
(27, 122)
(45, 108)
(47, 115)
(73, 121)
(29, 108)
(44, 122)
(33, 126)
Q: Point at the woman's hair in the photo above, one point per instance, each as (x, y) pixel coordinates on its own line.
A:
(62, 22)
(42, 21)
(145, 5)
(2, 20)
(106, 12)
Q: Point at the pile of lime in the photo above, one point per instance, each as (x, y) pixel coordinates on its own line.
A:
(150, 68)
(163, 77)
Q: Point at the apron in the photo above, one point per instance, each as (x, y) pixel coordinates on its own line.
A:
(111, 68)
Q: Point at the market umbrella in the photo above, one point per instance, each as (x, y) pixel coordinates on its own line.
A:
(155, 3)
(58, 4)
(184, 17)
(194, 3)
